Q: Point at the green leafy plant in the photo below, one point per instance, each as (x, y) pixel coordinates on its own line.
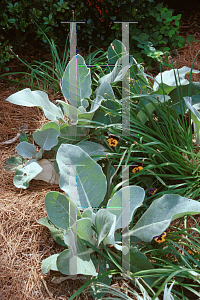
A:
(78, 112)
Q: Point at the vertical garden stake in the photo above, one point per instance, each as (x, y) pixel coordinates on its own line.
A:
(125, 120)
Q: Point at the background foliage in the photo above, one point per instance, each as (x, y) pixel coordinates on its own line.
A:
(18, 29)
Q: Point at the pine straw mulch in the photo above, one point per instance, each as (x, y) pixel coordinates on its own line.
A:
(23, 242)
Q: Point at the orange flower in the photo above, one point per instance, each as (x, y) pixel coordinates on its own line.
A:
(137, 169)
(152, 191)
(192, 252)
(112, 142)
(160, 238)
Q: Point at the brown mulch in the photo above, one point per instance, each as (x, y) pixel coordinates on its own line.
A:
(23, 242)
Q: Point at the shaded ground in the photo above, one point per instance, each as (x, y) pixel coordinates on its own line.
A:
(23, 242)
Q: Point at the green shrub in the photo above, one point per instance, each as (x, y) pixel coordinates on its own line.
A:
(156, 27)
(16, 20)
(4, 54)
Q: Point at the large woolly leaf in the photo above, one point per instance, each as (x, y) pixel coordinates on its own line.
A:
(83, 228)
(77, 115)
(47, 136)
(74, 163)
(105, 223)
(76, 82)
(77, 259)
(49, 264)
(24, 175)
(48, 173)
(161, 213)
(195, 117)
(168, 78)
(57, 206)
(40, 99)
(132, 197)
(121, 67)
(57, 233)
(106, 93)
(94, 149)
(72, 265)
(26, 149)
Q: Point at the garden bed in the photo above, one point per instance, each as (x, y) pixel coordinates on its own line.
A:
(25, 243)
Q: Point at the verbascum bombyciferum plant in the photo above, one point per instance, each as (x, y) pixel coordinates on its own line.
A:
(80, 110)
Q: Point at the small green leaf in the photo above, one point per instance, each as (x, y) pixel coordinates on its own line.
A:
(23, 137)
(26, 149)
(49, 264)
(190, 38)
(26, 174)
(14, 162)
(47, 136)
